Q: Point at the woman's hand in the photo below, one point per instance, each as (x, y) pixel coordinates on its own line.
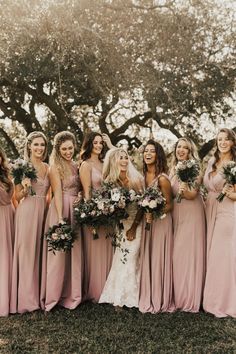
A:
(131, 233)
(228, 190)
(26, 183)
(107, 141)
(183, 187)
(149, 218)
(78, 198)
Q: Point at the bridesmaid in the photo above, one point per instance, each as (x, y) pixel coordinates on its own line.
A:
(6, 235)
(29, 224)
(99, 252)
(157, 244)
(220, 287)
(62, 272)
(189, 235)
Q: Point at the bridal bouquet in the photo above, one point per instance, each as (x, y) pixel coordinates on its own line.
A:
(107, 207)
(152, 201)
(21, 169)
(229, 174)
(187, 171)
(60, 237)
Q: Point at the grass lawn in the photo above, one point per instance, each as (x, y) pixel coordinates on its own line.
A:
(93, 328)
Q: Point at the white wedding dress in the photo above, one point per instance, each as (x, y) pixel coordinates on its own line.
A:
(122, 285)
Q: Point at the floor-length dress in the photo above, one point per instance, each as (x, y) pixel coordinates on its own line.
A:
(6, 248)
(62, 272)
(156, 290)
(98, 253)
(29, 224)
(189, 251)
(220, 286)
(122, 285)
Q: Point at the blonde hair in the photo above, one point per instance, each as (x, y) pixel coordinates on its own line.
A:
(111, 169)
(29, 140)
(55, 157)
(192, 152)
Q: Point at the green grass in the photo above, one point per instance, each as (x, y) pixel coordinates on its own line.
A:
(93, 328)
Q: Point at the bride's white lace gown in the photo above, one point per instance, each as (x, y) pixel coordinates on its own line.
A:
(122, 285)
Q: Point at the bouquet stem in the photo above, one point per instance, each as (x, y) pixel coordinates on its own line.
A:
(220, 197)
(148, 226)
(95, 234)
(178, 197)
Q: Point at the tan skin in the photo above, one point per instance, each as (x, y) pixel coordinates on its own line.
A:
(150, 158)
(66, 151)
(224, 145)
(182, 154)
(86, 166)
(37, 149)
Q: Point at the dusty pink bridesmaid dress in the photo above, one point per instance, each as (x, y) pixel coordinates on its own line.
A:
(6, 248)
(62, 273)
(97, 253)
(29, 224)
(189, 251)
(156, 290)
(220, 286)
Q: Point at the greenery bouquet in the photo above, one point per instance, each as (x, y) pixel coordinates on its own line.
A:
(152, 201)
(229, 174)
(21, 169)
(60, 237)
(187, 171)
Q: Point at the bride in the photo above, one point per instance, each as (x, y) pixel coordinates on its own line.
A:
(122, 285)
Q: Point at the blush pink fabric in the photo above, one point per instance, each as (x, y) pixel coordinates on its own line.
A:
(62, 273)
(156, 290)
(189, 251)
(29, 223)
(220, 287)
(6, 248)
(98, 254)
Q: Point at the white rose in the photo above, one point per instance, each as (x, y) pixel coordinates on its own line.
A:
(145, 203)
(100, 205)
(115, 197)
(152, 204)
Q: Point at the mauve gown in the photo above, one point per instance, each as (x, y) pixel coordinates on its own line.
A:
(156, 290)
(189, 251)
(220, 286)
(6, 248)
(62, 272)
(97, 253)
(29, 224)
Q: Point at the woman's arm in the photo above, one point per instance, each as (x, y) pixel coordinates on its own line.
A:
(230, 191)
(166, 190)
(21, 189)
(85, 178)
(55, 181)
(192, 193)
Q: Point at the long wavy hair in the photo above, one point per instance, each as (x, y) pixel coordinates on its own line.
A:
(5, 172)
(161, 161)
(29, 140)
(87, 147)
(111, 170)
(55, 157)
(231, 136)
